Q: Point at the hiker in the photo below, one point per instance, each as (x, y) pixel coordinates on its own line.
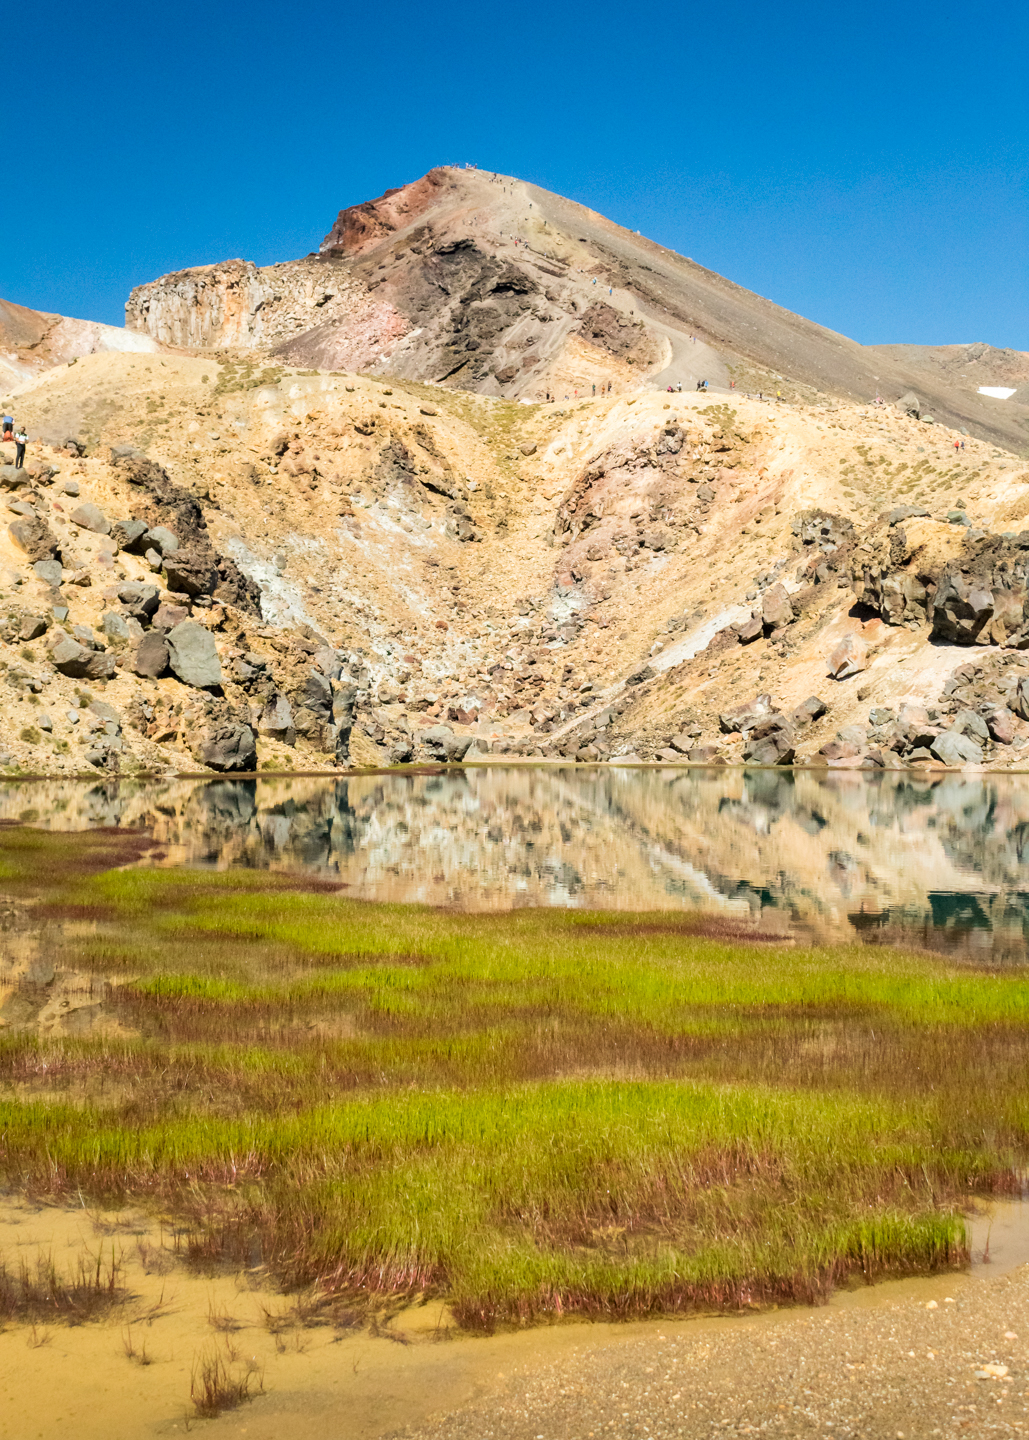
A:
(594, 389)
(957, 444)
(20, 441)
(8, 427)
(679, 388)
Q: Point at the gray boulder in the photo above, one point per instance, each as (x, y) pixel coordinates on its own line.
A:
(130, 535)
(952, 748)
(442, 744)
(114, 626)
(192, 655)
(80, 663)
(967, 722)
(228, 748)
(848, 658)
(160, 539)
(910, 404)
(771, 742)
(12, 479)
(750, 630)
(401, 752)
(90, 517)
(49, 571)
(140, 599)
(151, 657)
(276, 719)
(317, 695)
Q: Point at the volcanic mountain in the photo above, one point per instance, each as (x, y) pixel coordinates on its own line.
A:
(487, 283)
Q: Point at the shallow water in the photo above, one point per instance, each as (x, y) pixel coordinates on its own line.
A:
(940, 861)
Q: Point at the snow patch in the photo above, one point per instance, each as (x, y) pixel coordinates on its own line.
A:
(999, 392)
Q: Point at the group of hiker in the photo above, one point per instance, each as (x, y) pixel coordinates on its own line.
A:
(17, 437)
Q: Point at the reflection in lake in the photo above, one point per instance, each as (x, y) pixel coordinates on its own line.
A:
(940, 860)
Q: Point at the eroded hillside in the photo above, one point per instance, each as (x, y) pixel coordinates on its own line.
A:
(250, 565)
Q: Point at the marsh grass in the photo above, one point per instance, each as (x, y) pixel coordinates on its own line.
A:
(222, 1381)
(529, 1115)
(40, 1293)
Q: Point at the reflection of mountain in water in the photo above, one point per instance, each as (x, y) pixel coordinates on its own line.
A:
(943, 860)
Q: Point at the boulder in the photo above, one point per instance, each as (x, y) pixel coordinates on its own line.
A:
(1020, 703)
(276, 719)
(771, 742)
(228, 748)
(401, 752)
(1001, 725)
(90, 517)
(191, 572)
(840, 750)
(776, 609)
(442, 744)
(316, 695)
(750, 630)
(160, 539)
(809, 710)
(853, 735)
(166, 616)
(910, 404)
(192, 655)
(151, 657)
(33, 626)
(34, 537)
(952, 748)
(140, 598)
(848, 658)
(683, 743)
(79, 662)
(130, 535)
(114, 626)
(744, 717)
(967, 722)
(12, 479)
(49, 571)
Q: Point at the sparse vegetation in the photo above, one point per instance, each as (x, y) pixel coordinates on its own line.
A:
(531, 1114)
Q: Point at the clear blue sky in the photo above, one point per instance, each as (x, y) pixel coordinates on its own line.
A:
(864, 165)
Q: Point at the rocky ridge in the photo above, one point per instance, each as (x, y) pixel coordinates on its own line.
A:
(488, 284)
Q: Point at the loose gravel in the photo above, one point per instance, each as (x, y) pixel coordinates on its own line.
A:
(910, 1367)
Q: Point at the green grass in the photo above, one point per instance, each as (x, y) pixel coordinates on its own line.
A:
(530, 1114)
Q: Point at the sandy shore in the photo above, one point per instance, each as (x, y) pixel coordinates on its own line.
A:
(907, 1358)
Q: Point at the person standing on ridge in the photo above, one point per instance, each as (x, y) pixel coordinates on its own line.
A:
(8, 427)
(20, 441)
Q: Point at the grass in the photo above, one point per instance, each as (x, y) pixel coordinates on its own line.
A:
(530, 1115)
(41, 1292)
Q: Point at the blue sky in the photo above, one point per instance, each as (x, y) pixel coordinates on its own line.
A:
(866, 166)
